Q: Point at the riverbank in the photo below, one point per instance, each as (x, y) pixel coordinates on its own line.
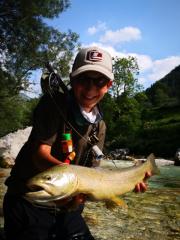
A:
(12, 143)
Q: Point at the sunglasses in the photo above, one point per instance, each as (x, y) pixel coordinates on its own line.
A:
(99, 82)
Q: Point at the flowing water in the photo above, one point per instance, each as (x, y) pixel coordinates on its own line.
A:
(153, 215)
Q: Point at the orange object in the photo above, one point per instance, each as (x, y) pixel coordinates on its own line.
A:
(67, 148)
(67, 145)
(70, 157)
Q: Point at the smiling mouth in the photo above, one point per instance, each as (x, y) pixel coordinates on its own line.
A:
(89, 98)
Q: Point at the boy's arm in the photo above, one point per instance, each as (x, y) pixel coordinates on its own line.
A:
(43, 159)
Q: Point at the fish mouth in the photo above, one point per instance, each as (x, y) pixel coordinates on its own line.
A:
(35, 188)
(38, 191)
(41, 193)
(39, 187)
(41, 196)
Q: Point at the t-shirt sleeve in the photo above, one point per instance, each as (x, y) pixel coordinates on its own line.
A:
(46, 120)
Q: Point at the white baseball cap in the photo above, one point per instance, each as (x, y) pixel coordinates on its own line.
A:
(93, 59)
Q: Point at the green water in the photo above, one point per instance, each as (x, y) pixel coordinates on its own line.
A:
(153, 215)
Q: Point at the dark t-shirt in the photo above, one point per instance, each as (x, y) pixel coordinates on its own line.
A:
(48, 125)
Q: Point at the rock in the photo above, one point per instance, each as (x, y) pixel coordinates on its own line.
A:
(177, 158)
(163, 162)
(6, 162)
(124, 163)
(119, 154)
(10, 146)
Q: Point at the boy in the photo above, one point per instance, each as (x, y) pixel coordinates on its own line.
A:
(79, 114)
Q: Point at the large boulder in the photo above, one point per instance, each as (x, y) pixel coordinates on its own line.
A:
(10, 146)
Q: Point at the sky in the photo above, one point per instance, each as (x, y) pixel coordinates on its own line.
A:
(146, 29)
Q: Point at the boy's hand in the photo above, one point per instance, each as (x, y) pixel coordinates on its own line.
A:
(80, 198)
(142, 186)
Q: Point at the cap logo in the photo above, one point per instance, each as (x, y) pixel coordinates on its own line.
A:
(94, 56)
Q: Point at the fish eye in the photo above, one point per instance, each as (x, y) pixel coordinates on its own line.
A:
(47, 177)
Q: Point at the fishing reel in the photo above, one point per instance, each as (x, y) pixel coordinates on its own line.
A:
(51, 82)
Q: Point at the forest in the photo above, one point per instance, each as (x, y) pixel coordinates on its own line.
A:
(143, 120)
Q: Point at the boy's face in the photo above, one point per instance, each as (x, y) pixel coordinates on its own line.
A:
(89, 88)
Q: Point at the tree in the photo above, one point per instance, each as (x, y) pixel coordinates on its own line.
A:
(129, 118)
(27, 42)
(123, 111)
(125, 72)
(110, 109)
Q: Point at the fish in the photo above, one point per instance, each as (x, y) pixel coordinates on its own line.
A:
(98, 184)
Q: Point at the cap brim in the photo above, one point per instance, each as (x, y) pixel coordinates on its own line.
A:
(94, 68)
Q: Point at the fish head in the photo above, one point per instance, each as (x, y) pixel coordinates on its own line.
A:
(55, 183)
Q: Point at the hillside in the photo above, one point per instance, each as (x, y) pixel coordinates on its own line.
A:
(172, 80)
(162, 119)
(166, 91)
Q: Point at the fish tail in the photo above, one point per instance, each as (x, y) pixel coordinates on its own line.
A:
(154, 168)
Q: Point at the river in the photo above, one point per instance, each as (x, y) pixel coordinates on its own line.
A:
(153, 215)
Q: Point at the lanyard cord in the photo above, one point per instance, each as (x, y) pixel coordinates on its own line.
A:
(66, 121)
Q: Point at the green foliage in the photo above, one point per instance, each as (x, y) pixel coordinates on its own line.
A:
(144, 121)
(172, 81)
(29, 106)
(125, 72)
(162, 140)
(161, 120)
(166, 92)
(110, 108)
(15, 113)
(122, 110)
(129, 118)
(158, 94)
(27, 42)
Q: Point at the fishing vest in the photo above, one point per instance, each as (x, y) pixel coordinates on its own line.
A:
(84, 134)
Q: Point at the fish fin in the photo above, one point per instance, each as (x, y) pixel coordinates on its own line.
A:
(155, 169)
(114, 202)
